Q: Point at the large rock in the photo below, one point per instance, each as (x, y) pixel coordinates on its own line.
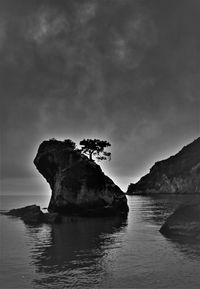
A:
(78, 184)
(179, 174)
(184, 222)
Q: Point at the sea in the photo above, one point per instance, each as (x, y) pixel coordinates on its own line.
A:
(97, 253)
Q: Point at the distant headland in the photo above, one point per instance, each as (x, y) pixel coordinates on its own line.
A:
(179, 174)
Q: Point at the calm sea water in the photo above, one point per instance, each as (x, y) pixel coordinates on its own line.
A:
(97, 253)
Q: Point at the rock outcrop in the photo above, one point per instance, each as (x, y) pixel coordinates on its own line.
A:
(33, 215)
(184, 222)
(179, 174)
(79, 187)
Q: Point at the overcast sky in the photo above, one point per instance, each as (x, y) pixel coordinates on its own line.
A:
(123, 70)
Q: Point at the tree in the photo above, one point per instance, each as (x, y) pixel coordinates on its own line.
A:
(95, 147)
(53, 139)
(69, 143)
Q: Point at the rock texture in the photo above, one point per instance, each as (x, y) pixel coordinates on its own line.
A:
(184, 222)
(33, 215)
(78, 184)
(178, 174)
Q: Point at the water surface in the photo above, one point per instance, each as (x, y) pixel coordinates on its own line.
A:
(97, 253)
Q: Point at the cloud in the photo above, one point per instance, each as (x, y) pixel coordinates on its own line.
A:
(46, 24)
(2, 33)
(86, 11)
(137, 37)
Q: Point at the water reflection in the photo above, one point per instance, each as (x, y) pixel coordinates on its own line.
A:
(187, 246)
(74, 253)
(101, 253)
(156, 209)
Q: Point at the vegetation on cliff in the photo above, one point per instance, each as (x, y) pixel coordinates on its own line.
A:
(178, 174)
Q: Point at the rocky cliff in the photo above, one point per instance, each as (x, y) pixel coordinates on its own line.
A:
(78, 184)
(178, 174)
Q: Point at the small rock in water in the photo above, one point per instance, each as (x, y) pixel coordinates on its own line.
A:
(29, 214)
(33, 215)
(185, 222)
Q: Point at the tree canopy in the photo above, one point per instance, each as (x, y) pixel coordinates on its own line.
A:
(95, 147)
(70, 143)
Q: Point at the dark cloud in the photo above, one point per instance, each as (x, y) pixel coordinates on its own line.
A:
(118, 69)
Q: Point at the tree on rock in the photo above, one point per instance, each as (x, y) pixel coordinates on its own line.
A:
(95, 147)
(69, 143)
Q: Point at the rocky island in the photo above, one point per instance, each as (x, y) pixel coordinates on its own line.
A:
(78, 185)
(179, 174)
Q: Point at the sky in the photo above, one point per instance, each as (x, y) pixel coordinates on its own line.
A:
(127, 71)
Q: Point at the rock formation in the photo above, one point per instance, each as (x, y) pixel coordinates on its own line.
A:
(33, 215)
(178, 174)
(184, 222)
(78, 184)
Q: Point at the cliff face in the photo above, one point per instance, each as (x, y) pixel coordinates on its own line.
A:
(178, 174)
(78, 185)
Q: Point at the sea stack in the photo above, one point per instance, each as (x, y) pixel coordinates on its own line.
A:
(78, 185)
(179, 174)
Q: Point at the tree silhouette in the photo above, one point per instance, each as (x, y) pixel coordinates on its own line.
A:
(95, 147)
(70, 143)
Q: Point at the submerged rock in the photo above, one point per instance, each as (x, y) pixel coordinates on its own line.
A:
(179, 174)
(33, 215)
(79, 187)
(184, 222)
